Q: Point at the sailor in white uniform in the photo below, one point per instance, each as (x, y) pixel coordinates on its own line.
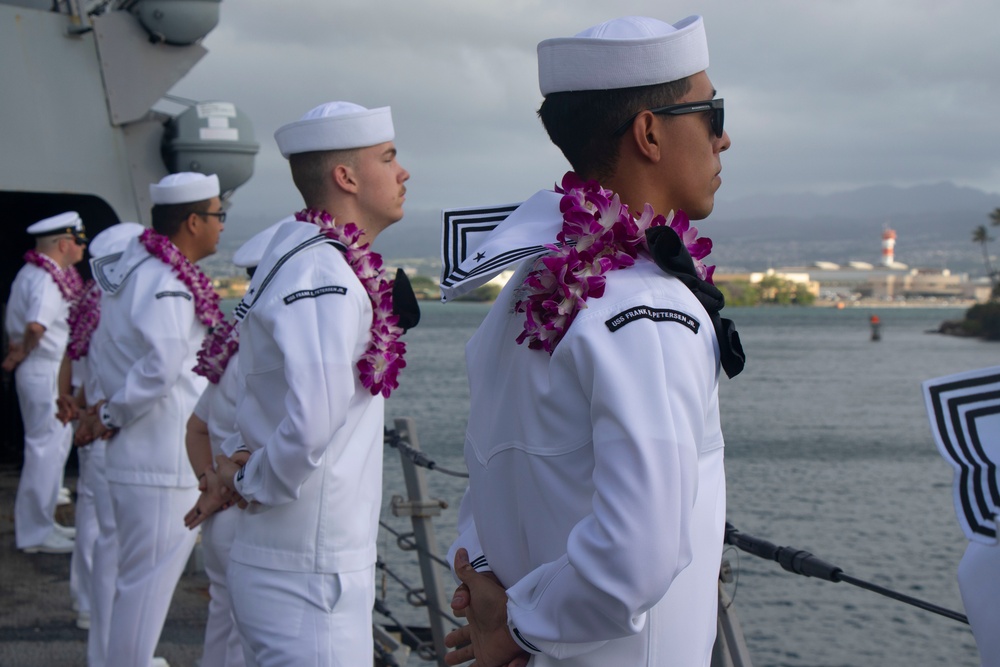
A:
(85, 511)
(93, 501)
(95, 553)
(309, 431)
(597, 489)
(213, 421)
(38, 331)
(979, 583)
(153, 318)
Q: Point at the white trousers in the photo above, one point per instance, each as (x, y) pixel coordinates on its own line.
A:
(289, 619)
(46, 446)
(979, 582)
(104, 565)
(223, 647)
(85, 516)
(153, 548)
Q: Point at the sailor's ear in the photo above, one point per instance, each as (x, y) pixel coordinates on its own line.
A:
(192, 221)
(344, 177)
(645, 133)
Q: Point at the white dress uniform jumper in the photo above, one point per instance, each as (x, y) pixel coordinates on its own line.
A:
(35, 297)
(302, 562)
(103, 556)
(597, 486)
(217, 408)
(143, 352)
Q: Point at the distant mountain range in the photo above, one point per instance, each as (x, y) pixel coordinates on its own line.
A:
(873, 201)
(934, 225)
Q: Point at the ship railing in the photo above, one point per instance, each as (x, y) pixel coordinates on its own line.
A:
(799, 561)
(421, 508)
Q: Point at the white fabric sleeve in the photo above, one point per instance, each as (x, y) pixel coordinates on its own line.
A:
(164, 325)
(231, 387)
(229, 383)
(649, 384)
(318, 338)
(233, 444)
(468, 539)
(45, 302)
(979, 584)
(203, 408)
(93, 387)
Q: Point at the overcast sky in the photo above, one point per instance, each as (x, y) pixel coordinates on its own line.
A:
(821, 95)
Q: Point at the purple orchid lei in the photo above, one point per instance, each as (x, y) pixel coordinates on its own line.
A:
(379, 366)
(599, 234)
(75, 281)
(68, 280)
(84, 315)
(206, 301)
(218, 347)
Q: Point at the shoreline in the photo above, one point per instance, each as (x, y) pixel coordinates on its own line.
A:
(872, 303)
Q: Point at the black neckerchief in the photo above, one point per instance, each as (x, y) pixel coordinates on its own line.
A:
(672, 256)
(404, 302)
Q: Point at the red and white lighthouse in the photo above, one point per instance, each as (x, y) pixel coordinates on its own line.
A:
(888, 247)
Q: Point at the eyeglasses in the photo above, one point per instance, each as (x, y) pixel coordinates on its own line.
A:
(714, 106)
(221, 215)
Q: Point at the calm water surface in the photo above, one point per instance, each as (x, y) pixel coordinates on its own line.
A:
(828, 450)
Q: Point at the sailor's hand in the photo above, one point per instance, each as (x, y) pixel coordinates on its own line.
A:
(214, 498)
(460, 598)
(227, 468)
(86, 429)
(486, 638)
(66, 409)
(197, 514)
(15, 355)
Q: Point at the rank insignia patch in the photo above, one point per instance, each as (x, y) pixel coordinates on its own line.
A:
(654, 314)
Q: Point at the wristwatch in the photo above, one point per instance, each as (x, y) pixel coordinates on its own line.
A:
(105, 415)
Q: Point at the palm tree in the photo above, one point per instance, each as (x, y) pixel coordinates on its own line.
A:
(995, 217)
(981, 236)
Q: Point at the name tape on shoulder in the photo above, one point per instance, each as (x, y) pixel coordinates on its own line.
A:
(313, 293)
(655, 314)
(161, 295)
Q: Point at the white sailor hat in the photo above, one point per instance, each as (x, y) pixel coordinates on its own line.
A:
(184, 187)
(114, 238)
(64, 223)
(250, 253)
(336, 126)
(622, 53)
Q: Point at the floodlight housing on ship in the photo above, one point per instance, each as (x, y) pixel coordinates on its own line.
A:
(177, 22)
(211, 138)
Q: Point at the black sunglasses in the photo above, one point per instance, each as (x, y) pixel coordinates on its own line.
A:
(221, 215)
(715, 106)
(78, 236)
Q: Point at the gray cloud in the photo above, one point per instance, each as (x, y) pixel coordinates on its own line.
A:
(821, 95)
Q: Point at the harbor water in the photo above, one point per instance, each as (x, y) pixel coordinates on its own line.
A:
(828, 449)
